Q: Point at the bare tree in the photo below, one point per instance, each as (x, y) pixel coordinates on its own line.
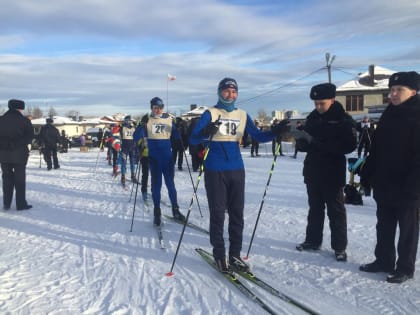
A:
(52, 112)
(35, 112)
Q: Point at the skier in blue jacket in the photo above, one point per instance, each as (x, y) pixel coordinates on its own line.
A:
(158, 129)
(224, 176)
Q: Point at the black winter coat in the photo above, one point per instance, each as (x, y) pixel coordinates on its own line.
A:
(393, 165)
(16, 132)
(334, 136)
(49, 136)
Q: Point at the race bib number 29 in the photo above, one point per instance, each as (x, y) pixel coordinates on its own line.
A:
(229, 127)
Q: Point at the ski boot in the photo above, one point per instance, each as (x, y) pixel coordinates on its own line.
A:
(123, 180)
(134, 179)
(222, 265)
(177, 215)
(157, 217)
(238, 264)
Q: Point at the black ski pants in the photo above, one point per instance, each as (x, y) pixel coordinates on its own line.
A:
(225, 192)
(333, 198)
(14, 178)
(407, 219)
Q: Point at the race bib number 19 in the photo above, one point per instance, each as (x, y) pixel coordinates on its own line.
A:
(228, 127)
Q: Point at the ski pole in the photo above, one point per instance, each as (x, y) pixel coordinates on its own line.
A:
(207, 149)
(137, 172)
(276, 153)
(135, 201)
(192, 180)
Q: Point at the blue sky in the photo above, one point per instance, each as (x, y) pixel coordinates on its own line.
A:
(103, 57)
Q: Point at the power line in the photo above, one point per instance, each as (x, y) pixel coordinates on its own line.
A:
(282, 86)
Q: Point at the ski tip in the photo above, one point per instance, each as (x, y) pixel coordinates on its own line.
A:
(169, 274)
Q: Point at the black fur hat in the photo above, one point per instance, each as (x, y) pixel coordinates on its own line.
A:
(16, 104)
(322, 91)
(410, 79)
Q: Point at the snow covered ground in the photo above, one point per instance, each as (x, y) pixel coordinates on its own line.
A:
(73, 253)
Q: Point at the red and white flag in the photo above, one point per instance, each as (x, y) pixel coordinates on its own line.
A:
(171, 77)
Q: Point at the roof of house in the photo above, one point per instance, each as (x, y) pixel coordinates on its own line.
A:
(361, 82)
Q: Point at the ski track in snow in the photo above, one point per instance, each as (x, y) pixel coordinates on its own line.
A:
(73, 253)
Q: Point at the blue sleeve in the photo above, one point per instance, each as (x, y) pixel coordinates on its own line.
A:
(196, 137)
(139, 133)
(257, 134)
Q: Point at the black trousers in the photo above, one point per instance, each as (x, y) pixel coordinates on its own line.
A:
(320, 196)
(178, 154)
(51, 151)
(225, 192)
(14, 178)
(407, 219)
(254, 147)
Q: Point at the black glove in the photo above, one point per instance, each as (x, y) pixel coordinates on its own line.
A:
(211, 128)
(281, 127)
(302, 144)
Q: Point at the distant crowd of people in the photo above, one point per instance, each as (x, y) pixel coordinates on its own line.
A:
(389, 152)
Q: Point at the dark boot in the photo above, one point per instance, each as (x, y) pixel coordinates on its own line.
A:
(122, 179)
(236, 263)
(134, 179)
(157, 214)
(307, 246)
(222, 265)
(177, 215)
(376, 267)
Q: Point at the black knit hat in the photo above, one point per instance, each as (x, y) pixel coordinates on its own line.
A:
(322, 91)
(49, 120)
(156, 101)
(16, 104)
(227, 83)
(410, 79)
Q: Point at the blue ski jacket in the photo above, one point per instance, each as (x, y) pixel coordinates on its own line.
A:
(225, 155)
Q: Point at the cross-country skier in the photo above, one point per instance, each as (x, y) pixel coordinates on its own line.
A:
(158, 129)
(224, 170)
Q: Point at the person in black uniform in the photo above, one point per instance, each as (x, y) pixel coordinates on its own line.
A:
(16, 133)
(393, 170)
(49, 137)
(328, 136)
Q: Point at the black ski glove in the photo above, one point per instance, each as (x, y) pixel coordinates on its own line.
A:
(211, 128)
(281, 127)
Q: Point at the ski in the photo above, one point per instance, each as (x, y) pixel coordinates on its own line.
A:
(250, 276)
(160, 236)
(232, 277)
(267, 287)
(189, 224)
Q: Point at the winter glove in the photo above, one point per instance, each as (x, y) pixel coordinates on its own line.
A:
(303, 143)
(281, 127)
(211, 128)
